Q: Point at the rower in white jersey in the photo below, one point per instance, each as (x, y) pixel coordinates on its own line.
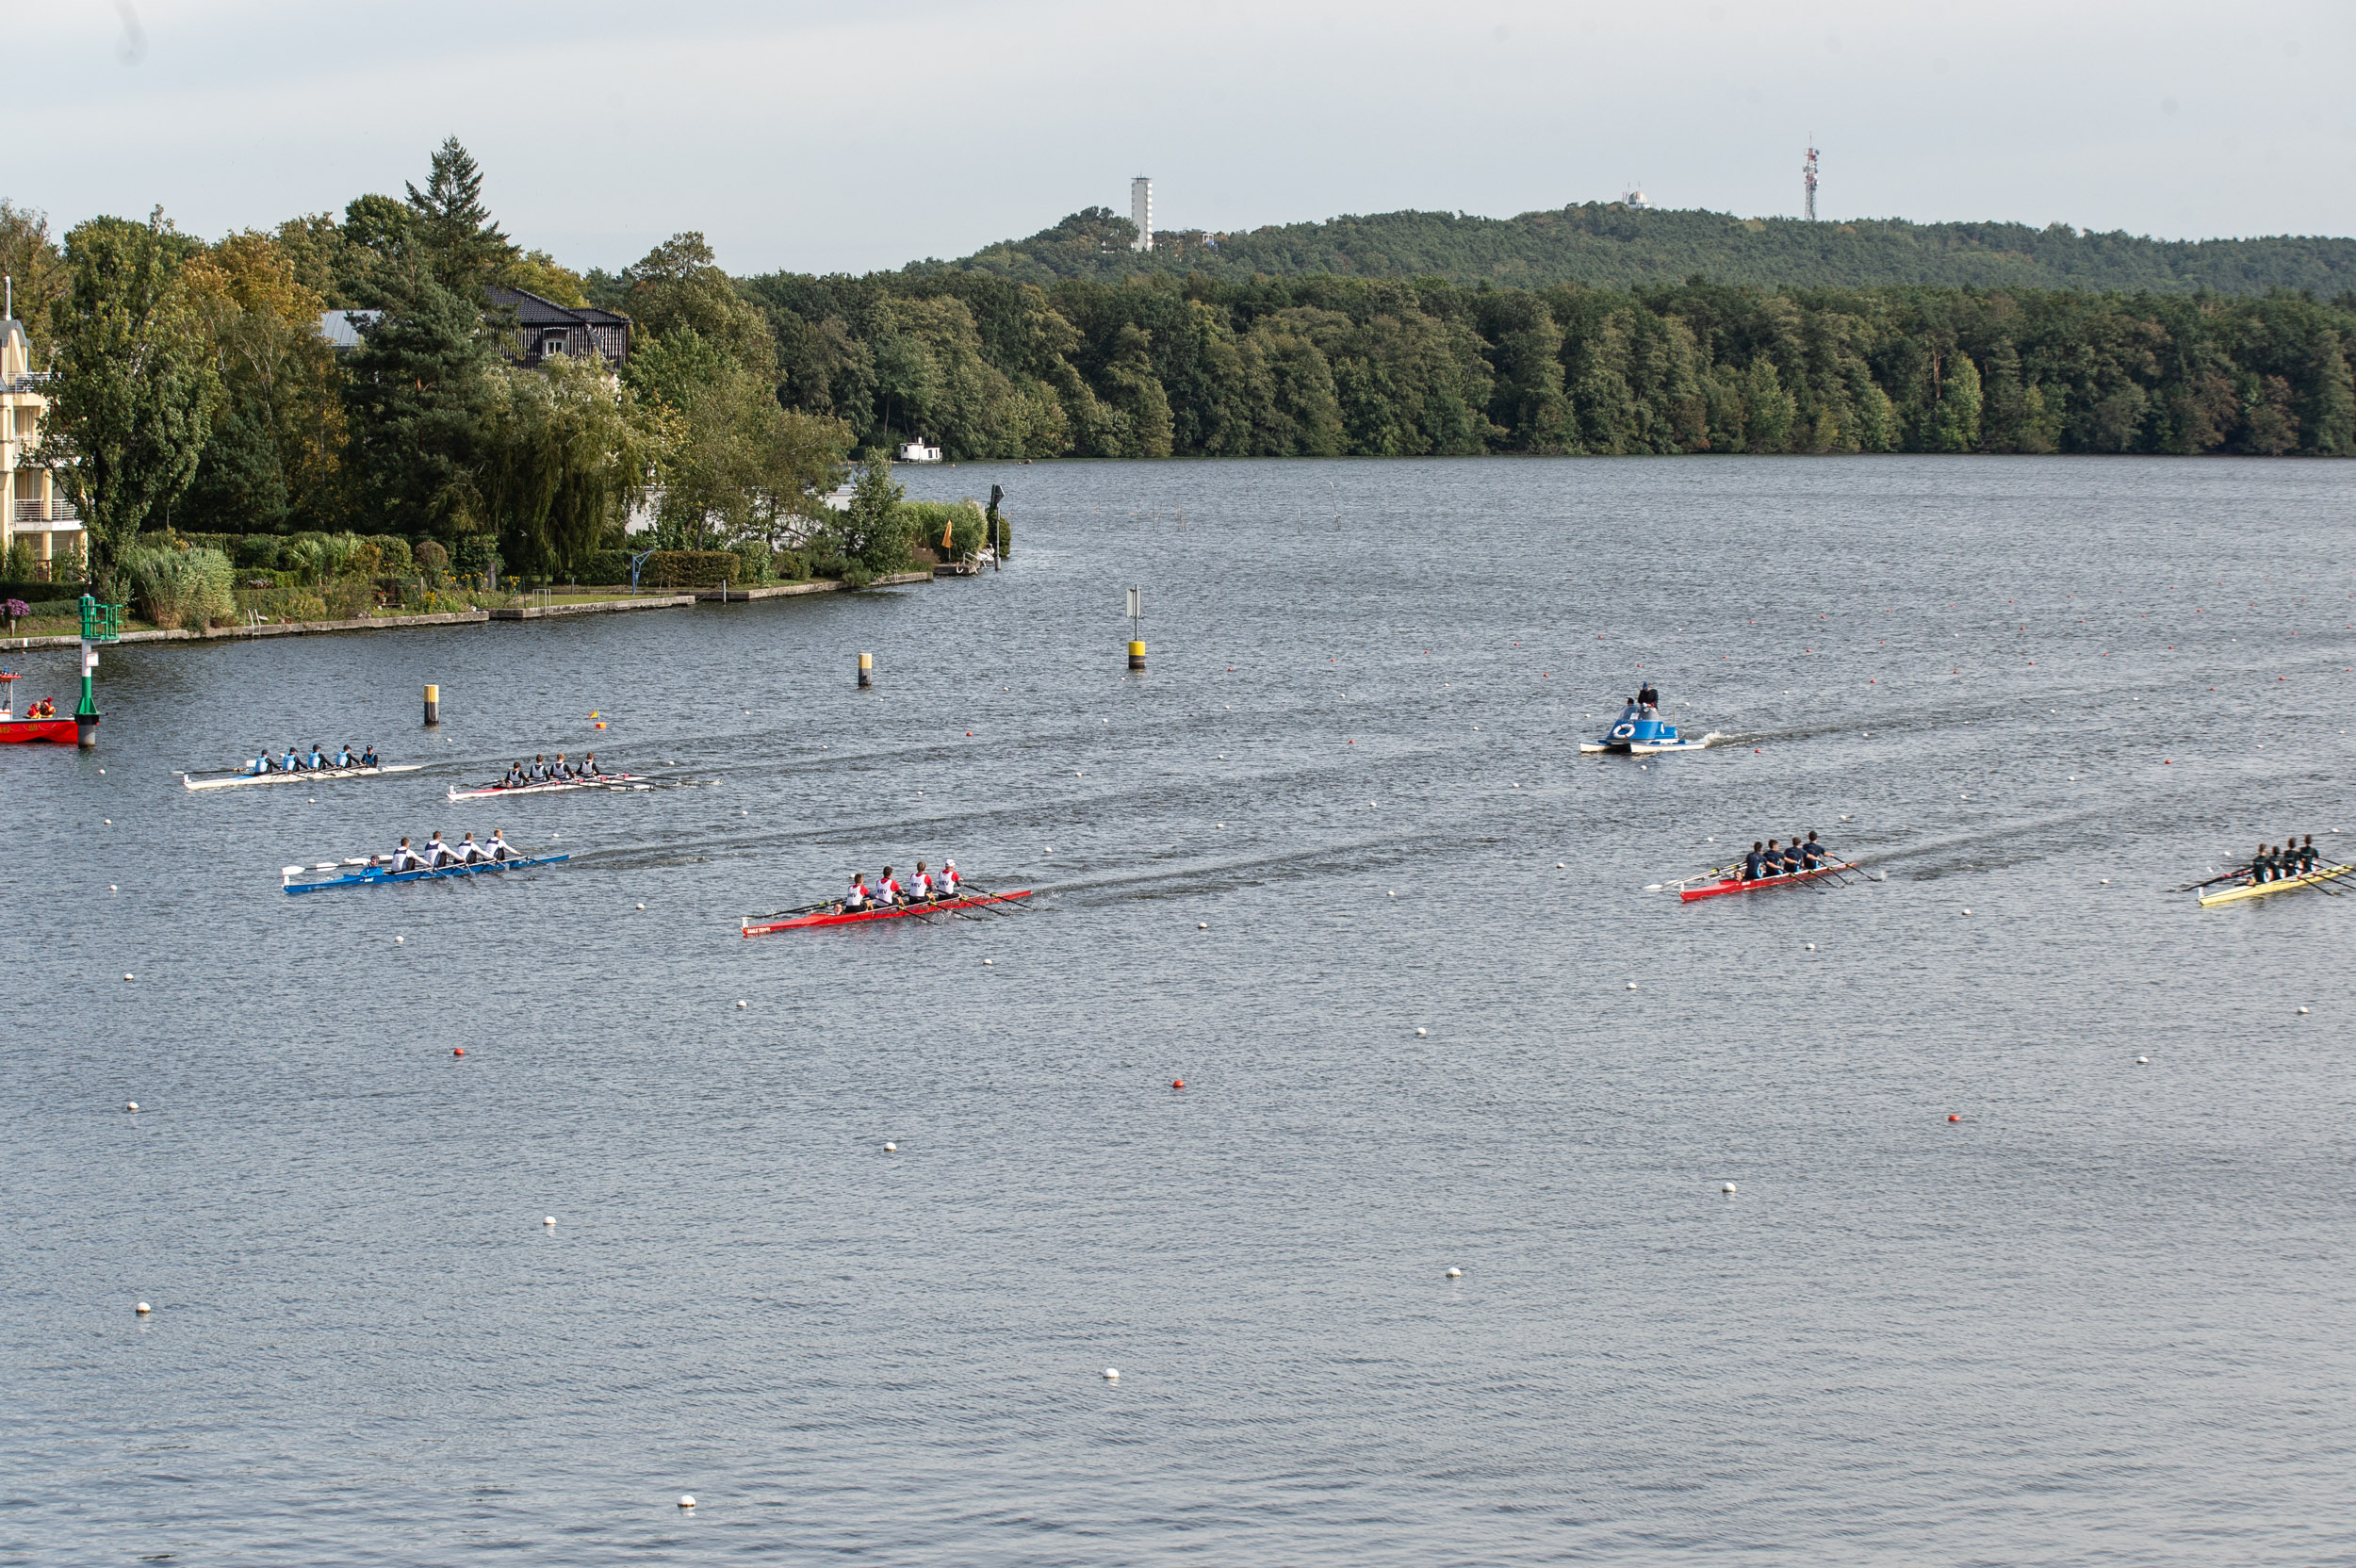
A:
(496, 849)
(405, 858)
(949, 879)
(858, 898)
(436, 853)
(887, 890)
(923, 889)
(468, 852)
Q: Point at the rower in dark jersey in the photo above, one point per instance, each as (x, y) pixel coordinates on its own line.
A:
(1753, 863)
(1811, 853)
(2261, 865)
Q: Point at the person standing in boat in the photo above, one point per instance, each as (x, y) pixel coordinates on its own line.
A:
(1649, 698)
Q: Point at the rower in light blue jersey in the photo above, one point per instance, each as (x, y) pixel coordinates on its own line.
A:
(289, 763)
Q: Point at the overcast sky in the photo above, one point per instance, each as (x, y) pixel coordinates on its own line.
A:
(821, 137)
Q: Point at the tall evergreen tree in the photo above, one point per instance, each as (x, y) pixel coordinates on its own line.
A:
(418, 394)
(462, 247)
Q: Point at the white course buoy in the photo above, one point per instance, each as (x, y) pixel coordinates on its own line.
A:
(1421, 1033)
(112, 888)
(1811, 947)
(740, 1005)
(1112, 1373)
(126, 977)
(2106, 881)
(1967, 911)
(2143, 1061)
(986, 960)
(1727, 1189)
(2302, 1009)
(142, 1309)
(892, 1149)
(686, 1501)
(1455, 1273)
(1632, 985)
(132, 1105)
(642, 906)
(1561, 865)
(1203, 926)
(398, 941)
(1394, 893)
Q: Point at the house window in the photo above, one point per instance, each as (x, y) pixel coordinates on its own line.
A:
(552, 342)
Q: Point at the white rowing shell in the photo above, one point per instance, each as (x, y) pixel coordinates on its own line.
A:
(237, 779)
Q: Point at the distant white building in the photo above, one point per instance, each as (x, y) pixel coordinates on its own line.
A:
(33, 511)
(1635, 199)
(1141, 212)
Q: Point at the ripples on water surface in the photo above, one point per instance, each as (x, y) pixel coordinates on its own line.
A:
(2106, 1318)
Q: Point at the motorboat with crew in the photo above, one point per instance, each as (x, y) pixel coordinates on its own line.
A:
(1641, 732)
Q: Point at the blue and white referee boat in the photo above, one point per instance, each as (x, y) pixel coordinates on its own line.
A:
(1641, 732)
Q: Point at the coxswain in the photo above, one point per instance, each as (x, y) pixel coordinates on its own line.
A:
(856, 899)
(404, 858)
(950, 881)
(922, 890)
(367, 758)
(496, 849)
(887, 890)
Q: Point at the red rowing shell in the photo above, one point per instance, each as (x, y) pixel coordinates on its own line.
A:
(804, 923)
(37, 730)
(1689, 894)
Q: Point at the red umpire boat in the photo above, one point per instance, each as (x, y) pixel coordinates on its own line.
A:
(1736, 884)
(833, 915)
(33, 727)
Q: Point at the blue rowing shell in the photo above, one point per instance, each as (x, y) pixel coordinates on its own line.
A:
(370, 879)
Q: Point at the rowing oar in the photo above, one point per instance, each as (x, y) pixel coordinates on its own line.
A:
(2227, 876)
(1716, 871)
(810, 909)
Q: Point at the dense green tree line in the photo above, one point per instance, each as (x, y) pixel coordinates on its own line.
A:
(193, 389)
(1606, 244)
(1334, 367)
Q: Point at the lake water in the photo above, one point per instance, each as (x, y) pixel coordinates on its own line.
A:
(2106, 1317)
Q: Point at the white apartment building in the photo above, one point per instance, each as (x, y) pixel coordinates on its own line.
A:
(34, 510)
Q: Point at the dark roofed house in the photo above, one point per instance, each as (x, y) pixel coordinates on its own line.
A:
(543, 327)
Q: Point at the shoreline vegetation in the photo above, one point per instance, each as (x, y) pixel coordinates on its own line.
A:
(197, 411)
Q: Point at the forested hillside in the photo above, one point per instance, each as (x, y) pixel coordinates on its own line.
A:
(1325, 366)
(1608, 244)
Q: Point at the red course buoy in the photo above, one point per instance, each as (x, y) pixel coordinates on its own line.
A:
(458, 1051)
(1177, 1083)
(1955, 1119)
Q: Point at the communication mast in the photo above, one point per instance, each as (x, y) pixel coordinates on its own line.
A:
(1807, 172)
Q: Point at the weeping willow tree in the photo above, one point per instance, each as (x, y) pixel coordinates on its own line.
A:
(566, 449)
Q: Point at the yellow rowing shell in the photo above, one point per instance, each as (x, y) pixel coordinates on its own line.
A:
(2259, 889)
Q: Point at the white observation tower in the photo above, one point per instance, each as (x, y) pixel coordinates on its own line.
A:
(1141, 212)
